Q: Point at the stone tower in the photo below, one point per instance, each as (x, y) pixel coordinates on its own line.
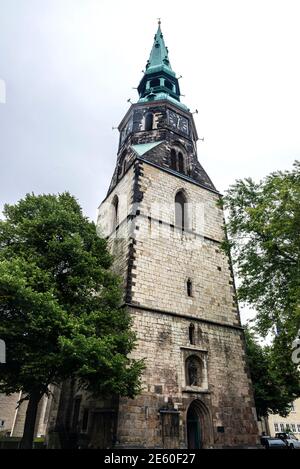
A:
(165, 230)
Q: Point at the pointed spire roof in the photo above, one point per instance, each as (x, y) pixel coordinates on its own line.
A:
(159, 81)
(159, 56)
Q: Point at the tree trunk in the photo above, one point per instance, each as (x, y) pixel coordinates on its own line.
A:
(28, 435)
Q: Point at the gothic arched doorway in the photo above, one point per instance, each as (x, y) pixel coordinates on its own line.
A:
(193, 429)
(198, 426)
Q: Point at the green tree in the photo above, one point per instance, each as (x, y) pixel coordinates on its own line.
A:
(274, 377)
(60, 312)
(263, 237)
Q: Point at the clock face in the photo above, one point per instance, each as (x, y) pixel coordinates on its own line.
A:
(183, 125)
(173, 119)
(178, 122)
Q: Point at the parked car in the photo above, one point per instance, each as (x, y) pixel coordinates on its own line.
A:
(290, 439)
(270, 442)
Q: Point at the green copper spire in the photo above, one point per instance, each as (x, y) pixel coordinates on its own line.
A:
(159, 81)
(159, 57)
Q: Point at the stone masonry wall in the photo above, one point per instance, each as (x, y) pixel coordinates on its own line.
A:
(162, 260)
(156, 259)
(7, 410)
(165, 258)
(164, 344)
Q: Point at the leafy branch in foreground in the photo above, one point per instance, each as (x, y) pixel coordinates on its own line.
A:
(60, 314)
(263, 227)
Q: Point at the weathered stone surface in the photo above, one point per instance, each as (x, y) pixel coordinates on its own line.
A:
(162, 261)
(179, 289)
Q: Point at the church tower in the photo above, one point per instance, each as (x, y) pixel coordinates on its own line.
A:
(165, 228)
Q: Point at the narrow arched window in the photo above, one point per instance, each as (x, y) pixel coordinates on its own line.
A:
(180, 202)
(173, 159)
(115, 214)
(194, 371)
(189, 287)
(192, 334)
(149, 121)
(180, 163)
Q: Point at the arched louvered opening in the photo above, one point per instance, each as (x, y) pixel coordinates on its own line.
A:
(180, 163)
(173, 159)
(149, 121)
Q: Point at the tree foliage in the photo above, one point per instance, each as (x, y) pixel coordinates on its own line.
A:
(263, 237)
(60, 312)
(274, 377)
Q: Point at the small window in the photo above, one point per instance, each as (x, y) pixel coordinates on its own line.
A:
(192, 334)
(2, 422)
(155, 82)
(282, 427)
(115, 206)
(298, 427)
(276, 427)
(180, 202)
(168, 85)
(293, 427)
(180, 163)
(189, 287)
(149, 121)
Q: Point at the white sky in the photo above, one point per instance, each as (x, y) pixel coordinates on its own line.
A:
(70, 65)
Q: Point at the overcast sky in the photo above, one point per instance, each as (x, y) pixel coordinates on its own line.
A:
(69, 67)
